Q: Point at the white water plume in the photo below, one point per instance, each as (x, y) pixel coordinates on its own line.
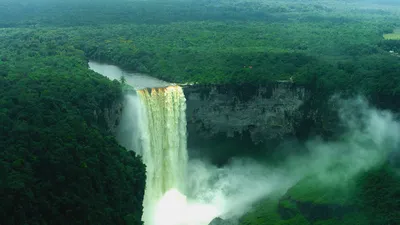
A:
(234, 188)
(163, 128)
(129, 133)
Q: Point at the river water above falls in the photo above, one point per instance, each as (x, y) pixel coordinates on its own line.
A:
(136, 80)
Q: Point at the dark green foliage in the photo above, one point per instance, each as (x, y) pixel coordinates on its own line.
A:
(390, 45)
(58, 164)
(379, 195)
(372, 200)
(228, 42)
(86, 12)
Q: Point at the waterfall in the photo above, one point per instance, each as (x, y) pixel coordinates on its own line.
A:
(162, 125)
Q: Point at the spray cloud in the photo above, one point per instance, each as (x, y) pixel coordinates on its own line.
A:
(230, 191)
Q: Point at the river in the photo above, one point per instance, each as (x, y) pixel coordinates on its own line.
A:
(136, 80)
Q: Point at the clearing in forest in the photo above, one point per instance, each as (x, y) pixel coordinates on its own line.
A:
(393, 36)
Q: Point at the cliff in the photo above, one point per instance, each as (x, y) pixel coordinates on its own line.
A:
(243, 115)
(110, 116)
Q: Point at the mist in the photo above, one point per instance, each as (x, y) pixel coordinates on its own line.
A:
(230, 191)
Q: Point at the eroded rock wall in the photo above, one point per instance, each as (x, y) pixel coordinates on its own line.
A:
(266, 112)
(111, 115)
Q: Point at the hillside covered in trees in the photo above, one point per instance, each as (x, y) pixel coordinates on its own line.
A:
(59, 164)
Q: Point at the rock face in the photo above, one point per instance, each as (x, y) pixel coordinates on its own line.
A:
(110, 116)
(251, 113)
(264, 111)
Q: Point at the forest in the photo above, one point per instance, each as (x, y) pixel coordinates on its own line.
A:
(59, 162)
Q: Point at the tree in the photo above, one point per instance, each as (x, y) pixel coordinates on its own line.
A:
(123, 79)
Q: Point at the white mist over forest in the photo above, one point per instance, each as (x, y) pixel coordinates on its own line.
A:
(230, 191)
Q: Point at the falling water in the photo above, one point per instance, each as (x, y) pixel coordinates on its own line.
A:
(153, 124)
(163, 140)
